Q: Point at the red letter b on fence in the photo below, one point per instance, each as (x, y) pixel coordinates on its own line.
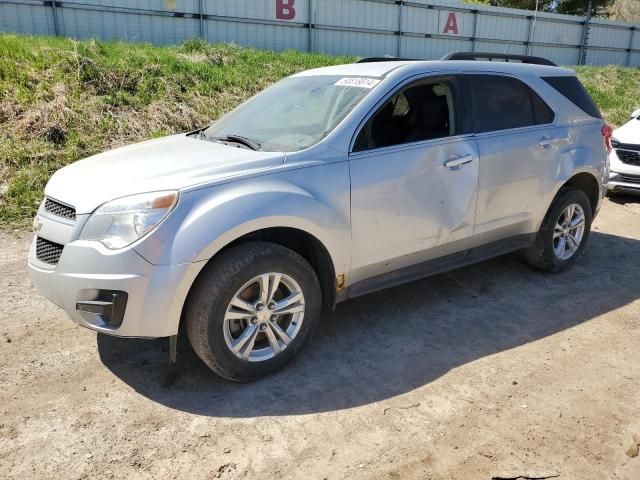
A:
(285, 9)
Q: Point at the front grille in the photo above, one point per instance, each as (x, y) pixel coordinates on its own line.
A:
(627, 146)
(59, 209)
(629, 179)
(47, 251)
(629, 157)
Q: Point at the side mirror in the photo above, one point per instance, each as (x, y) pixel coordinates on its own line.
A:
(635, 114)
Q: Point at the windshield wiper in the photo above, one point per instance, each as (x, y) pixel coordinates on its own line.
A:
(253, 145)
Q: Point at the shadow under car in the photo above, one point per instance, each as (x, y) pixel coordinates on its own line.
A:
(388, 343)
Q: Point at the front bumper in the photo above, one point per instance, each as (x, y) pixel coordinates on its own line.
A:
(624, 183)
(154, 293)
(624, 175)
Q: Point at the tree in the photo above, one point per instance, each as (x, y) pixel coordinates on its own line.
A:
(543, 5)
(599, 8)
(627, 10)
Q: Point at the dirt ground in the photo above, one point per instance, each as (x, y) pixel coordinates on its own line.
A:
(492, 371)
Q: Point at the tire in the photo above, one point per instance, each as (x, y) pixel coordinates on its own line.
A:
(543, 254)
(215, 326)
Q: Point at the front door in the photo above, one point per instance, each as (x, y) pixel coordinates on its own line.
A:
(414, 178)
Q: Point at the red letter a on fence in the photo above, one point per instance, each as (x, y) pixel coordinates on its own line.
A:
(452, 24)
(285, 10)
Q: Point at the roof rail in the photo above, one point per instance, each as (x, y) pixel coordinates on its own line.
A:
(385, 59)
(501, 57)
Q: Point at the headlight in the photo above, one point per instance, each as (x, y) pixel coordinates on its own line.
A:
(121, 222)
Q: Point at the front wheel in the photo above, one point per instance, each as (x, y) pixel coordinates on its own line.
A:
(564, 232)
(252, 309)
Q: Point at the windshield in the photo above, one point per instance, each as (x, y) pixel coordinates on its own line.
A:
(293, 114)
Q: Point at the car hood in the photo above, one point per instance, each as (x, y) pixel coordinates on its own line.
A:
(167, 163)
(629, 132)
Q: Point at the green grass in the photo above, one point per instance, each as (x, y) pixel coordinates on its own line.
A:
(62, 100)
(616, 90)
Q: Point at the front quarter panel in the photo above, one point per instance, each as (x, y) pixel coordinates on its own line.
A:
(314, 199)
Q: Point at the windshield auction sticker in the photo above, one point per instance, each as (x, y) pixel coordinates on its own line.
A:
(357, 82)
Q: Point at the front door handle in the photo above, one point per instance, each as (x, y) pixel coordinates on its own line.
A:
(546, 141)
(457, 162)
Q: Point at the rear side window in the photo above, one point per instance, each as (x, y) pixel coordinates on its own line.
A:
(570, 87)
(501, 103)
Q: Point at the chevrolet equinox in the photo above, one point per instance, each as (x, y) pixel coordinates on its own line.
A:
(332, 183)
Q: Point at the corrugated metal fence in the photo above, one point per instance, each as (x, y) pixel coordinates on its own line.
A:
(417, 29)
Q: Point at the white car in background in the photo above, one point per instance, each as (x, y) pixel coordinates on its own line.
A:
(624, 159)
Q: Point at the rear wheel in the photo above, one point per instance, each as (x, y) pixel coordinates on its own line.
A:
(563, 233)
(252, 310)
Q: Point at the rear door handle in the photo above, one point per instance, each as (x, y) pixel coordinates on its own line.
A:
(546, 141)
(457, 162)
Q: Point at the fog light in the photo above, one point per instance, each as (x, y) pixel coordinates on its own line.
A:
(109, 305)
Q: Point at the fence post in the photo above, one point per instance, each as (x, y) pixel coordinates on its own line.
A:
(585, 36)
(56, 27)
(201, 12)
(628, 62)
(530, 35)
(475, 29)
(311, 6)
(400, 3)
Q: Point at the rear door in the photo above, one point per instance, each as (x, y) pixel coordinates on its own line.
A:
(414, 174)
(519, 145)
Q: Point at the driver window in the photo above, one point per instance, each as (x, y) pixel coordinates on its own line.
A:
(422, 111)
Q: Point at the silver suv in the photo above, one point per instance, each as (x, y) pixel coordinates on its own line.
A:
(331, 184)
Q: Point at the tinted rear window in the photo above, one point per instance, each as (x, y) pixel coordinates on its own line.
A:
(571, 88)
(501, 103)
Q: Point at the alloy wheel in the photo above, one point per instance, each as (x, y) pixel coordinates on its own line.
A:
(264, 317)
(568, 231)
